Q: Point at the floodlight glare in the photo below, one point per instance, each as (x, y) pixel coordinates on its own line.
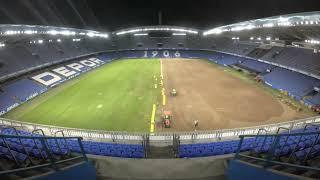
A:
(141, 34)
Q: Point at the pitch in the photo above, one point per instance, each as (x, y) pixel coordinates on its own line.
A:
(123, 96)
(118, 97)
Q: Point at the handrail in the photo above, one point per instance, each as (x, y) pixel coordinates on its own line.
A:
(282, 163)
(273, 135)
(43, 134)
(213, 135)
(65, 141)
(312, 124)
(270, 156)
(53, 162)
(24, 148)
(39, 137)
(283, 128)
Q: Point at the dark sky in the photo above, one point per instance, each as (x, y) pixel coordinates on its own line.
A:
(109, 15)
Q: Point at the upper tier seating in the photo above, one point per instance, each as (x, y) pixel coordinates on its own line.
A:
(303, 59)
(234, 47)
(299, 58)
(19, 57)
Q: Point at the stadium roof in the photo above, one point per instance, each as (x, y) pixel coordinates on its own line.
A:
(157, 28)
(298, 19)
(292, 27)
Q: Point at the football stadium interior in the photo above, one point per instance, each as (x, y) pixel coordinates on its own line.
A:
(236, 101)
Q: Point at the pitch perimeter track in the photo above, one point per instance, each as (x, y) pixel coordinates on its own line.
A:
(218, 99)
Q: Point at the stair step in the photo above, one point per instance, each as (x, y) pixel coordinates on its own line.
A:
(161, 152)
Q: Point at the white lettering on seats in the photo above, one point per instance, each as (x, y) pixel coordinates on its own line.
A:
(47, 78)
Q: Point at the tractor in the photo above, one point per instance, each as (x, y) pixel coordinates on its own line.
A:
(166, 119)
(173, 92)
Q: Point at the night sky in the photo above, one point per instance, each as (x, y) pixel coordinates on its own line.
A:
(110, 15)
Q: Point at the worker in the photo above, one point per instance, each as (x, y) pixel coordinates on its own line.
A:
(196, 124)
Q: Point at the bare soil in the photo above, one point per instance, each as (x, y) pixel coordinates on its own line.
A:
(217, 99)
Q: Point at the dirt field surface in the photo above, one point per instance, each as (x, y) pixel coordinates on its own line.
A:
(217, 99)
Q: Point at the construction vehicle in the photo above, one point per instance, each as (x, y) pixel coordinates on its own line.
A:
(173, 92)
(166, 119)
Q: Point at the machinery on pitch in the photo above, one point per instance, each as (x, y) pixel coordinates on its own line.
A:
(173, 92)
(166, 119)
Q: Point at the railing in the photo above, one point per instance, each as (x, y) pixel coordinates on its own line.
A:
(184, 137)
(47, 153)
(270, 149)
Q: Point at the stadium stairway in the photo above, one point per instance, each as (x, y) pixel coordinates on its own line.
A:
(164, 152)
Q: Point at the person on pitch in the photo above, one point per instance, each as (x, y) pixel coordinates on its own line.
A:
(196, 124)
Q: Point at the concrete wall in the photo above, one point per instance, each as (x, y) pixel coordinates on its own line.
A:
(156, 169)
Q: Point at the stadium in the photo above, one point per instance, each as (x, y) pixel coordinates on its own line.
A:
(235, 101)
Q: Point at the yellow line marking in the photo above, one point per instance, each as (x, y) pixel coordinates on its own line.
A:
(161, 70)
(153, 113)
(163, 97)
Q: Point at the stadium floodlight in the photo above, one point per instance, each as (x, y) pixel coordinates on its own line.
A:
(90, 34)
(237, 28)
(140, 34)
(93, 34)
(299, 19)
(312, 41)
(283, 19)
(103, 35)
(213, 31)
(179, 34)
(30, 32)
(269, 25)
(156, 29)
(52, 32)
(11, 32)
(67, 33)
